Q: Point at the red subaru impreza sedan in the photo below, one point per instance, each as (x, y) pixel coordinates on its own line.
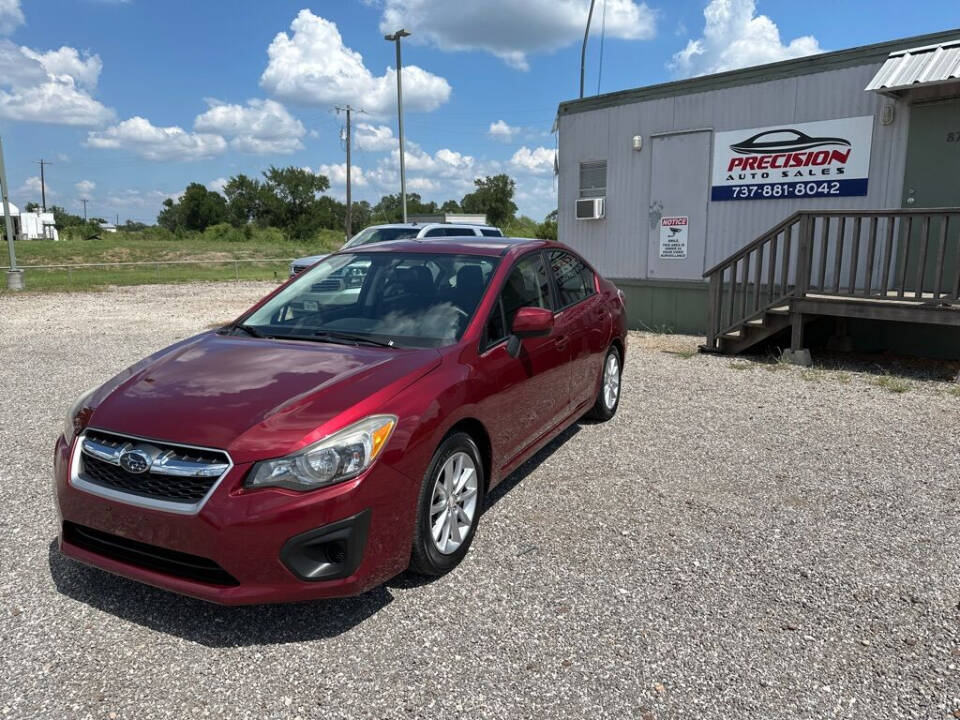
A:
(345, 428)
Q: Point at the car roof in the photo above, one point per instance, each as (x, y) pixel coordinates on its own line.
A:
(467, 245)
(420, 226)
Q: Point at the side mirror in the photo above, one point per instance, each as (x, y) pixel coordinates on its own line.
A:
(527, 323)
(532, 322)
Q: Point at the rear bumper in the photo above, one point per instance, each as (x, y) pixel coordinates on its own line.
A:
(272, 545)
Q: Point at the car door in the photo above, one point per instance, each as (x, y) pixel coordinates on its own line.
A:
(528, 394)
(583, 319)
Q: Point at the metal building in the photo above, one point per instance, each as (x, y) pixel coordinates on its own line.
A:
(659, 184)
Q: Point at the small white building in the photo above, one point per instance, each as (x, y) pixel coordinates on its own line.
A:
(34, 225)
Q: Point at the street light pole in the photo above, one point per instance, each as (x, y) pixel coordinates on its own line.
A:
(395, 38)
(14, 276)
(583, 48)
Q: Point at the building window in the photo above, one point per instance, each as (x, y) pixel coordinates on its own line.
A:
(593, 179)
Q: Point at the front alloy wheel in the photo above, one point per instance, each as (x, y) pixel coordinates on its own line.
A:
(608, 399)
(451, 499)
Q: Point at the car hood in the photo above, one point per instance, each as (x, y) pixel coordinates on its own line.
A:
(309, 260)
(254, 397)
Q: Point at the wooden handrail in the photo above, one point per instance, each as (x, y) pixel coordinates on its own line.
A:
(872, 266)
(724, 264)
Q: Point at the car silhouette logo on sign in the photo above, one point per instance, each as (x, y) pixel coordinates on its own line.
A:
(784, 140)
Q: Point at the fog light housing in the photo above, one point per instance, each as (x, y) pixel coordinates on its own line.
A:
(330, 552)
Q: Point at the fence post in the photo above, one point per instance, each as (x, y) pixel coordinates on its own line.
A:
(713, 310)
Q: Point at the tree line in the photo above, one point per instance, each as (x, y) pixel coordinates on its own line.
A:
(292, 199)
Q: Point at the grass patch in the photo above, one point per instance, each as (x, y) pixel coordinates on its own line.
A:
(813, 375)
(740, 366)
(154, 246)
(892, 384)
(685, 354)
(954, 391)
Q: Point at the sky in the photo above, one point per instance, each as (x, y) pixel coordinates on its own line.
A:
(131, 100)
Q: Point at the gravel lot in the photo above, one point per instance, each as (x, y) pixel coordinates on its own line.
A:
(744, 540)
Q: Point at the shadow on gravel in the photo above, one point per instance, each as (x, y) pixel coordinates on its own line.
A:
(220, 626)
(206, 623)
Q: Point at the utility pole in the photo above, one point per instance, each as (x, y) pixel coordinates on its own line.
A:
(84, 201)
(583, 48)
(14, 275)
(395, 38)
(43, 184)
(349, 224)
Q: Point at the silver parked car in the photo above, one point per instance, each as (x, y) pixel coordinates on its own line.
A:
(401, 231)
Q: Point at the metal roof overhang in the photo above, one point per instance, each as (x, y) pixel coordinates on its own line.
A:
(916, 67)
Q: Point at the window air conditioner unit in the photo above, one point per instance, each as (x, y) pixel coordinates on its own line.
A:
(590, 208)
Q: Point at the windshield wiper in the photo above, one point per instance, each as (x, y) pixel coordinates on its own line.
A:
(251, 331)
(349, 337)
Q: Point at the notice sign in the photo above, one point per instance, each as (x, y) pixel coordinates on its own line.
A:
(673, 237)
(830, 158)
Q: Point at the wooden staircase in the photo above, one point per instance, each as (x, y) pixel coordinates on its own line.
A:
(895, 265)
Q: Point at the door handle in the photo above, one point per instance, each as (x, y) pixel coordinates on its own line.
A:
(561, 342)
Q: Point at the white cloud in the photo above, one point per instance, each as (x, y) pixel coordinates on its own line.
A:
(139, 136)
(148, 200)
(312, 66)
(52, 87)
(67, 62)
(31, 191)
(538, 161)
(509, 29)
(11, 16)
(337, 174)
(375, 138)
(218, 184)
(260, 127)
(85, 187)
(502, 132)
(734, 36)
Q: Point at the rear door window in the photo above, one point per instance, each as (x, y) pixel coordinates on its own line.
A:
(575, 281)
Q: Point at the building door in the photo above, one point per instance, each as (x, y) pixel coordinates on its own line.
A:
(932, 180)
(679, 186)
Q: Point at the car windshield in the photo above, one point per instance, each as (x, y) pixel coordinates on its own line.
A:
(382, 234)
(394, 298)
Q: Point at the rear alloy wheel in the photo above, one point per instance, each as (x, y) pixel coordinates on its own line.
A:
(451, 499)
(608, 399)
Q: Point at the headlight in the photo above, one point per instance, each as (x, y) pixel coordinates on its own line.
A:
(72, 422)
(336, 458)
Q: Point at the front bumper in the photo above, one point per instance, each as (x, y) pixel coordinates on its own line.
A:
(272, 545)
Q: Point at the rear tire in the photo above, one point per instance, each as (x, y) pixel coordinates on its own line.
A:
(608, 398)
(449, 507)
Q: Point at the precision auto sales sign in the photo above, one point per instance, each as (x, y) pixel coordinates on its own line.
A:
(830, 158)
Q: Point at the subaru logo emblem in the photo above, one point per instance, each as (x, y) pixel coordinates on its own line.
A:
(136, 462)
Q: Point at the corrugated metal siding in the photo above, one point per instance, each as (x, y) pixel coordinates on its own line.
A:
(932, 64)
(617, 245)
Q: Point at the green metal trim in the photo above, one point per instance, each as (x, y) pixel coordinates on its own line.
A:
(759, 73)
(672, 284)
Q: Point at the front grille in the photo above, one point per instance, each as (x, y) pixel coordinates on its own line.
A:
(177, 474)
(146, 485)
(328, 285)
(150, 557)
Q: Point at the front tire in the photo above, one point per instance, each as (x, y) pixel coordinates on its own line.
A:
(608, 399)
(448, 510)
